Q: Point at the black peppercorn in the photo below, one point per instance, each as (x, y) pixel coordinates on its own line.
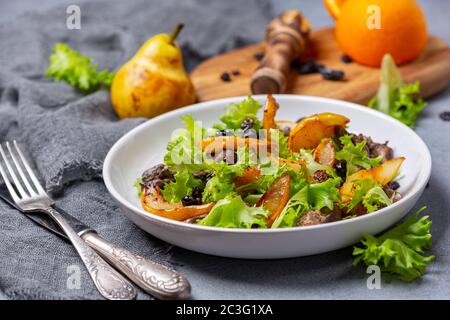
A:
(207, 177)
(320, 67)
(236, 72)
(307, 67)
(394, 185)
(445, 115)
(346, 59)
(197, 194)
(225, 132)
(259, 56)
(296, 64)
(204, 176)
(189, 201)
(330, 74)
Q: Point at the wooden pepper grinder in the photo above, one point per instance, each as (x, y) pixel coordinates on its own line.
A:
(286, 38)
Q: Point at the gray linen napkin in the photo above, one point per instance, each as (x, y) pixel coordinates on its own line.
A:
(68, 134)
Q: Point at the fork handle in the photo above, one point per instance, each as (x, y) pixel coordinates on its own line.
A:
(109, 282)
(154, 278)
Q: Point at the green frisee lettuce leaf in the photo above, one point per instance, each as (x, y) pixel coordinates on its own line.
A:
(370, 194)
(282, 143)
(184, 150)
(407, 107)
(222, 182)
(269, 173)
(400, 251)
(355, 155)
(296, 207)
(316, 196)
(218, 187)
(395, 98)
(76, 69)
(311, 165)
(232, 212)
(375, 198)
(182, 186)
(236, 113)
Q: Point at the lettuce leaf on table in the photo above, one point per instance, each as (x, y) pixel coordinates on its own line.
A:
(400, 251)
(76, 69)
(407, 107)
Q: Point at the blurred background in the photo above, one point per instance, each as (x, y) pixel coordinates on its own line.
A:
(437, 24)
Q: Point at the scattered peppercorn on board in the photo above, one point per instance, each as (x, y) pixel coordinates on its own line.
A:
(359, 85)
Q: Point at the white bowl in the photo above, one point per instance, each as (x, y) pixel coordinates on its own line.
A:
(145, 145)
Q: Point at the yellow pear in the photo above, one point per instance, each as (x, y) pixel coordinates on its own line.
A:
(154, 81)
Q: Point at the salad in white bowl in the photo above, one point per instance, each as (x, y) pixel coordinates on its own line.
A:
(217, 182)
(247, 172)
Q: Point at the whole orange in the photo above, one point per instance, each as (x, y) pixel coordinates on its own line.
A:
(368, 29)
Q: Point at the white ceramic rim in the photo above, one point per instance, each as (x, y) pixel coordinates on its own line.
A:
(420, 183)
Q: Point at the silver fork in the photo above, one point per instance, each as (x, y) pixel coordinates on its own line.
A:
(108, 281)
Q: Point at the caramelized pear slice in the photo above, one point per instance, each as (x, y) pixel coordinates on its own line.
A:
(270, 110)
(250, 175)
(212, 144)
(383, 174)
(325, 153)
(153, 202)
(276, 197)
(311, 130)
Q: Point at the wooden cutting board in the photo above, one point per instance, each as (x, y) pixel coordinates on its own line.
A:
(432, 68)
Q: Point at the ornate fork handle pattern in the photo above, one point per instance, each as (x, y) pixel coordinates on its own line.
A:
(107, 280)
(156, 279)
